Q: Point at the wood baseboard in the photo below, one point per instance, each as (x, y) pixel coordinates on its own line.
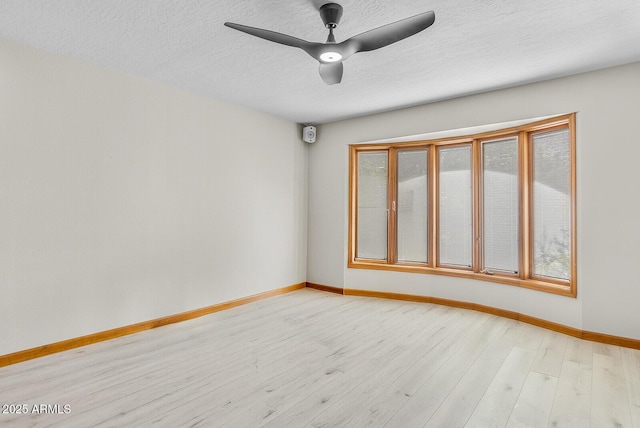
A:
(40, 351)
(327, 288)
(571, 331)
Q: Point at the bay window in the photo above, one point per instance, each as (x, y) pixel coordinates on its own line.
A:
(497, 206)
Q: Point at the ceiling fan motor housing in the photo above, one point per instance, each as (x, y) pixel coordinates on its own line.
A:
(331, 14)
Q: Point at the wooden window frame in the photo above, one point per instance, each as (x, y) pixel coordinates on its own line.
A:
(479, 168)
(524, 277)
(472, 150)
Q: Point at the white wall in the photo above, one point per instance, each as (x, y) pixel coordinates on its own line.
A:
(123, 200)
(608, 206)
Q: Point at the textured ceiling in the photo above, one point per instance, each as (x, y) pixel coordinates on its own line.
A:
(474, 46)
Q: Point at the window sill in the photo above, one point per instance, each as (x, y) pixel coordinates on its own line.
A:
(567, 289)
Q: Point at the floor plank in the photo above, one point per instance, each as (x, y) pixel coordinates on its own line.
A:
(533, 407)
(609, 392)
(551, 354)
(579, 351)
(631, 362)
(572, 404)
(496, 405)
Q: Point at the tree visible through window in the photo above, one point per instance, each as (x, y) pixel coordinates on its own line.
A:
(552, 204)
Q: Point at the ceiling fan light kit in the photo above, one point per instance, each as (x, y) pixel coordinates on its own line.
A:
(331, 54)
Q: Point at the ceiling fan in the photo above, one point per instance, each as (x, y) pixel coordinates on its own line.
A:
(331, 54)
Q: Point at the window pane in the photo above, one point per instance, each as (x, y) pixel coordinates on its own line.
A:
(500, 214)
(372, 206)
(455, 211)
(412, 206)
(552, 204)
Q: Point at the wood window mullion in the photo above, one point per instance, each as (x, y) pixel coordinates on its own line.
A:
(353, 203)
(433, 205)
(392, 207)
(476, 203)
(574, 195)
(525, 184)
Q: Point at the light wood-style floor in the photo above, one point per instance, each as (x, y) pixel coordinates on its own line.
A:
(316, 359)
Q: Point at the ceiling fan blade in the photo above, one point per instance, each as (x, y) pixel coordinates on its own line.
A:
(332, 54)
(273, 36)
(331, 73)
(391, 33)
